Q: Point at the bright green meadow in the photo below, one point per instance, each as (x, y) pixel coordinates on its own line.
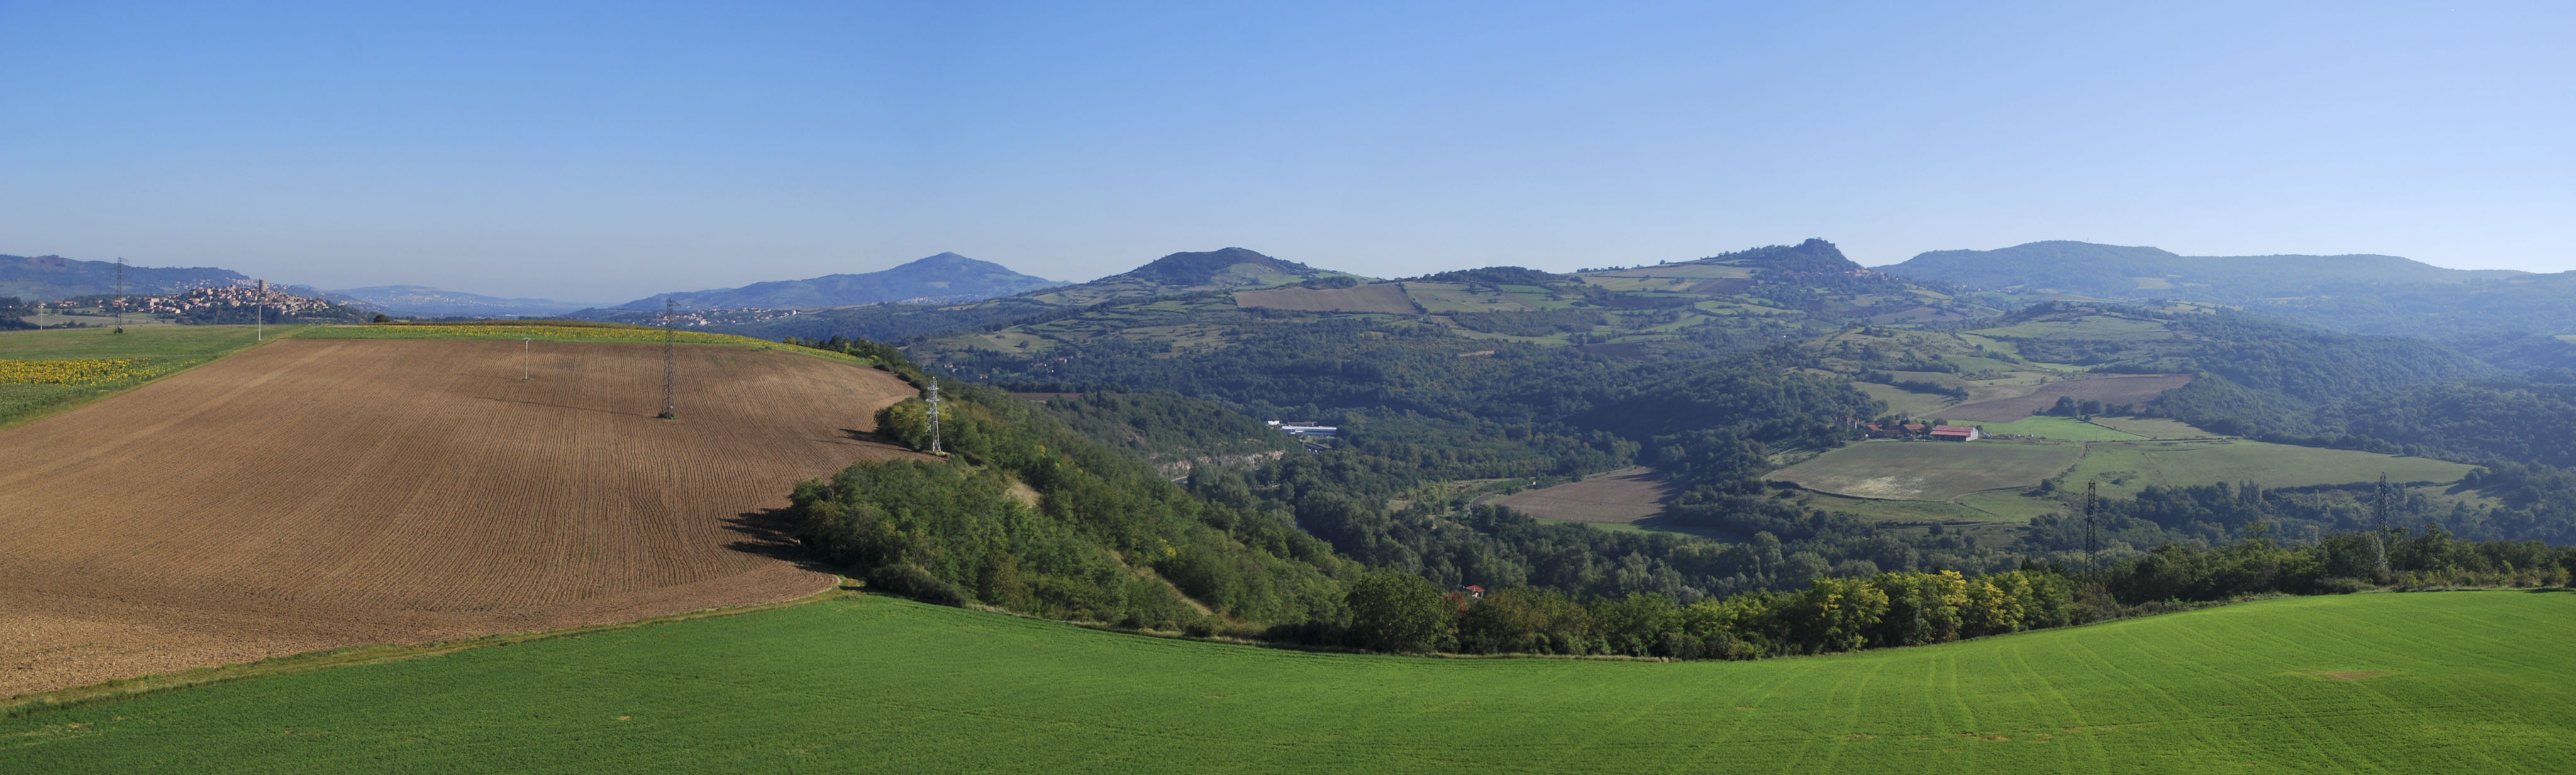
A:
(147, 353)
(2423, 682)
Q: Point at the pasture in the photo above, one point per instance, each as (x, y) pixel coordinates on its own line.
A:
(2153, 427)
(2061, 428)
(2019, 403)
(2423, 682)
(317, 493)
(1929, 470)
(1616, 497)
(2124, 469)
(1905, 402)
(1443, 298)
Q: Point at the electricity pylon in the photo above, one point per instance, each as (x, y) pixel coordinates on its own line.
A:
(2092, 528)
(670, 369)
(934, 416)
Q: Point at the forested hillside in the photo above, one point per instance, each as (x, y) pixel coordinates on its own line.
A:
(1714, 372)
(1095, 534)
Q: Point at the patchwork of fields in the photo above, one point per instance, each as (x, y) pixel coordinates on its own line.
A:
(309, 494)
(2428, 682)
(1988, 477)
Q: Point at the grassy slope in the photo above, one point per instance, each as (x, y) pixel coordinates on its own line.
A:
(2273, 465)
(2065, 428)
(1986, 477)
(2475, 682)
(169, 350)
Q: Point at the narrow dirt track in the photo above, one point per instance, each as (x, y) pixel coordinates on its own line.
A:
(312, 494)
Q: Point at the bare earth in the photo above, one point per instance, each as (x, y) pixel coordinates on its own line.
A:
(1386, 298)
(2109, 390)
(313, 494)
(1619, 496)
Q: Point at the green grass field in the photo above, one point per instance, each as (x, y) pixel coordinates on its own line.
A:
(2153, 427)
(2426, 682)
(2124, 469)
(1905, 402)
(2064, 428)
(1935, 481)
(1930, 470)
(152, 352)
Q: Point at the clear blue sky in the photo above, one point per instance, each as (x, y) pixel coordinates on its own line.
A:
(600, 152)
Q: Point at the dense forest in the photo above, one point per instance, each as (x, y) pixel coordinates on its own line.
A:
(1369, 538)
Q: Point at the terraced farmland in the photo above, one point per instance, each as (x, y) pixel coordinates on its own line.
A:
(309, 494)
(2428, 682)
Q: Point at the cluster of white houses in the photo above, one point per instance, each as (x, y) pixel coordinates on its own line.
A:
(1306, 428)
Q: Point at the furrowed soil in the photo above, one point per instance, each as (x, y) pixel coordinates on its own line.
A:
(1385, 298)
(311, 494)
(1618, 496)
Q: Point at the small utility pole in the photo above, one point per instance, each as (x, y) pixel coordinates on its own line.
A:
(670, 369)
(259, 313)
(120, 294)
(934, 416)
(524, 356)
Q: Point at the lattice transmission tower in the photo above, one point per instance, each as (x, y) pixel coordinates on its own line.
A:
(670, 366)
(934, 417)
(2379, 521)
(2092, 530)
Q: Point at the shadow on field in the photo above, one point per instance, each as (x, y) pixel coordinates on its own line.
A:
(768, 533)
(854, 435)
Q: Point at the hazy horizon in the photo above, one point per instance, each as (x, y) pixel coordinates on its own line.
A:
(606, 153)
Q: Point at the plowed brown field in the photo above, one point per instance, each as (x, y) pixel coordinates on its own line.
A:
(1618, 496)
(1386, 298)
(316, 494)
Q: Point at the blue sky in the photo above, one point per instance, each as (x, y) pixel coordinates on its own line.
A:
(601, 152)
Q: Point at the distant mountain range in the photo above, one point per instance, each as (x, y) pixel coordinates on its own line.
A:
(943, 278)
(56, 277)
(2371, 294)
(2119, 271)
(1171, 275)
(424, 301)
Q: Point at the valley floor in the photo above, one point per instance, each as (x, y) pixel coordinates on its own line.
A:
(2422, 682)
